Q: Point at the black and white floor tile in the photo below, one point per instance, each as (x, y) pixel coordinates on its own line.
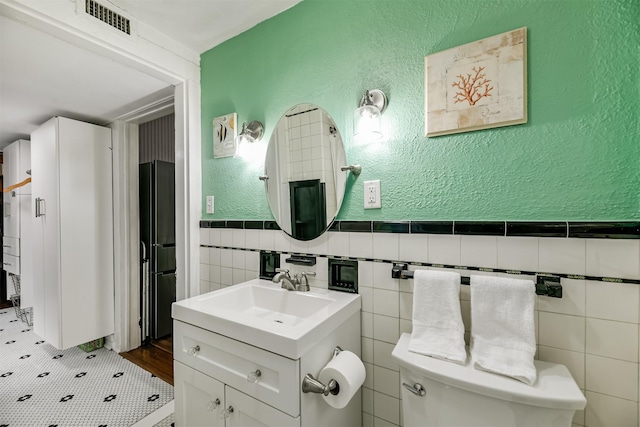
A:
(43, 386)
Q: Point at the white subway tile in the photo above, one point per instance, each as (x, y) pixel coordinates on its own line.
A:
(366, 298)
(479, 251)
(338, 244)
(367, 324)
(367, 418)
(443, 249)
(318, 245)
(226, 276)
(281, 241)
(406, 305)
(613, 258)
(367, 400)
(413, 247)
(239, 238)
(561, 331)
(386, 302)
(573, 299)
(368, 375)
(214, 236)
(321, 269)
(365, 274)
(214, 256)
(612, 377)
(562, 255)
(204, 236)
(214, 274)
(386, 381)
(367, 350)
(360, 245)
(382, 277)
(382, 355)
(252, 239)
(385, 246)
(238, 275)
(386, 407)
(607, 411)
(226, 257)
(518, 253)
(226, 237)
(299, 246)
(386, 328)
(239, 259)
(379, 422)
(204, 255)
(252, 260)
(267, 240)
(613, 301)
(405, 326)
(204, 272)
(204, 287)
(574, 361)
(607, 338)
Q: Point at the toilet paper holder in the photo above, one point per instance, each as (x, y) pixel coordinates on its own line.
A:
(312, 385)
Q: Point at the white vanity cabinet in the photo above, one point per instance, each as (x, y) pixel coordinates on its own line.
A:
(254, 386)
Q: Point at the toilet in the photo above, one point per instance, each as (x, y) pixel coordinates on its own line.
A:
(437, 393)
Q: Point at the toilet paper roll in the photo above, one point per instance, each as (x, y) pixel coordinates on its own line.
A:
(348, 371)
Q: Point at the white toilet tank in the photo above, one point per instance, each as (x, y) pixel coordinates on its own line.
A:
(460, 395)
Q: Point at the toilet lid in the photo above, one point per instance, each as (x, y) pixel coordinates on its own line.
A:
(554, 387)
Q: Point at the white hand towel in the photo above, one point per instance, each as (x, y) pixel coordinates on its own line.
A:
(438, 330)
(502, 328)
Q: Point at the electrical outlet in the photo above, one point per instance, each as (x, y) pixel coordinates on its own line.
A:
(209, 204)
(372, 194)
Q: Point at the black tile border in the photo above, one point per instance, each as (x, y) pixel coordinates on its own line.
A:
(574, 229)
(479, 228)
(537, 229)
(605, 230)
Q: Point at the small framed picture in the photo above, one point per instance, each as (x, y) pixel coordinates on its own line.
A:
(225, 130)
(479, 85)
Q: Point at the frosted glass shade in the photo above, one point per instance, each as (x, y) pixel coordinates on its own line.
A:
(367, 124)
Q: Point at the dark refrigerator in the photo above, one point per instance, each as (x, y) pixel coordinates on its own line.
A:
(157, 233)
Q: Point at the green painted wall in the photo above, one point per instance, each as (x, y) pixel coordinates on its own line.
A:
(577, 158)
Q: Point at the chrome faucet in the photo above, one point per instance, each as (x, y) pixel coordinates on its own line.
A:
(294, 283)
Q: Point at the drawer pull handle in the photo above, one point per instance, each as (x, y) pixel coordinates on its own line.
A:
(416, 389)
(6, 263)
(227, 412)
(6, 246)
(253, 376)
(193, 350)
(212, 405)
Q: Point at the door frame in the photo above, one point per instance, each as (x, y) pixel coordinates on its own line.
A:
(181, 72)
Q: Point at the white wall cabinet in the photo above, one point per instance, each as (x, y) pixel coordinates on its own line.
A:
(17, 209)
(72, 233)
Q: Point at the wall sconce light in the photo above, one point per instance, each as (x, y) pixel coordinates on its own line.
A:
(366, 118)
(251, 132)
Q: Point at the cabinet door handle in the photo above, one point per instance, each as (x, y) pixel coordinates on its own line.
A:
(6, 246)
(39, 212)
(416, 389)
(6, 263)
(193, 350)
(212, 405)
(227, 412)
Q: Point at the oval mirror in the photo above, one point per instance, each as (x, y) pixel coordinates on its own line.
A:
(304, 183)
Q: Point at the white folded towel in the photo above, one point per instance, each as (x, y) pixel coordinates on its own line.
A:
(503, 337)
(438, 330)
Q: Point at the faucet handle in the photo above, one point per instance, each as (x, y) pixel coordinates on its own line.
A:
(282, 270)
(308, 273)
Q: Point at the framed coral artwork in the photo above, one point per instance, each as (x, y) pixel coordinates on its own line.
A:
(478, 85)
(225, 131)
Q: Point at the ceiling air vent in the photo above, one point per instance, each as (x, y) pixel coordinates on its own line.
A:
(108, 16)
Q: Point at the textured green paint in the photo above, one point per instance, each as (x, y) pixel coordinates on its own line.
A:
(577, 158)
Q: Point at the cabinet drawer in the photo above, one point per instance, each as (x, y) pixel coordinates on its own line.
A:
(11, 264)
(11, 246)
(250, 412)
(232, 361)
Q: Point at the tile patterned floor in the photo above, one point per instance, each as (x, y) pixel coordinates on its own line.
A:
(43, 386)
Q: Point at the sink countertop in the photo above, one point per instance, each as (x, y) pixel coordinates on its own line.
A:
(230, 312)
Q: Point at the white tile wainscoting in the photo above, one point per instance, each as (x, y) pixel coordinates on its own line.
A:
(593, 330)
